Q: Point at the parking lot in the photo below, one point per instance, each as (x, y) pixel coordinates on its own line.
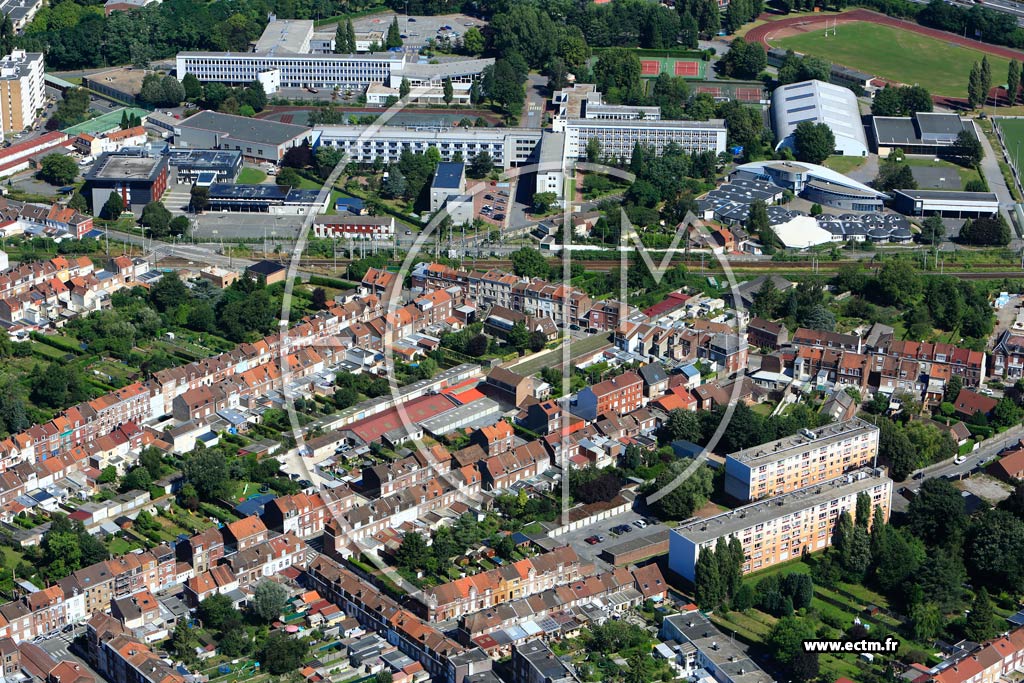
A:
(490, 205)
(416, 31)
(591, 553)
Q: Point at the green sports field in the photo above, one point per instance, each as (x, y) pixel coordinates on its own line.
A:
(896, 55)
(1013, 135)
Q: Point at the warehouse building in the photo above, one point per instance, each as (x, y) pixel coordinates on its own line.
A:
(819, 102)
(945, 203)
(774, 530)
(257, 139)
(923, 133)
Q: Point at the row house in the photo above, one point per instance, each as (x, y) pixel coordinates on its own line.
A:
(219, 580)
(379, 281)
(387, 478)
(303, 515)
(967, 364)
(996, 660)
(619, 395)
(1008, 356)
(445, 660)
(267, 559)
(245, 533)
(494, 439)
(512, 581)
(202, 402)
(126, 660)
(766, 334)
(434, 307)
(821, 339)
(519, 464)
(203, 550)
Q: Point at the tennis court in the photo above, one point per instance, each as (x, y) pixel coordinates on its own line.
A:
(650, 67)
(731, 91)
(673, 66)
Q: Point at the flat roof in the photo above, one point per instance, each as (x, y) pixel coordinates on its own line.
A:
(734, 521)
(287, 35)
(950, 196)
(937, 123)
(728, 657)
(240, 191)
(448, 175)
(116, 166)
(463, 416)
(125, 79)
(637, 123)
(780, 449)
(260, 131)
(836, 188)
(203, 157)
(894, 130)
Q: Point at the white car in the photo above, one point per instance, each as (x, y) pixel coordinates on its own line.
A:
(960, 460)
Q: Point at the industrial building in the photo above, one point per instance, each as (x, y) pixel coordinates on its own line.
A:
(138, 175)
(804, 459)
(922, 133)
(946, 203)
(274, 199)
(819, 102)
(258, 139)
(774, 530)
(123, 83)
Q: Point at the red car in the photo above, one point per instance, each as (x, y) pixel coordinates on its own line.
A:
(592, 540)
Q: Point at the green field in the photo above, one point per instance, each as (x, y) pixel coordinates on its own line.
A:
(897, 55)
(251, 176)
(844, 164)
(1013, 134)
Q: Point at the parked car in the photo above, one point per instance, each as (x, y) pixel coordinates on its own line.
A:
(592, 540)
(640, 524)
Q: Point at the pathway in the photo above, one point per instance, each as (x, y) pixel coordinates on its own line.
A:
(994, 178)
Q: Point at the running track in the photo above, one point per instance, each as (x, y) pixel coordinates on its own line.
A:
(764, 33)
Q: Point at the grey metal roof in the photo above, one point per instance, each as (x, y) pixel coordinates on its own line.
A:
(242, 128)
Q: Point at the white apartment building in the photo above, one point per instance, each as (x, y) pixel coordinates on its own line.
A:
(22, 92)
(363, 144)
(800, 460)
(618, 137)
(778, 529)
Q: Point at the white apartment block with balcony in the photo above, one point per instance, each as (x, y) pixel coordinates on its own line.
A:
(22, 91)
(800, 460)
(782, 528)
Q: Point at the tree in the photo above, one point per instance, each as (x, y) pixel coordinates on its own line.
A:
(137, 479)
(1013, 75)
(473, 41)
(207, 470)
(981, 624)
(480, 164)
(985, 232)
(787, 638)
(503, 84)
(744, 60)
(528, 262)
(412, 552)
(518, 336)
(394, 36)
(692, 493)
(593, 150)
(932, 230)
(404, 88)
(537, 341)
(341, 46)
(975, 87)
(299, 156)
(216, 612)
(58, 386)
(269, 600)
(813, 142)
(199, 198)
(926, 620)
(113, 207)
(58, 169)
(173, 91)
(157, 218)
(394, 185)
(986, 80)
(477, 345)
(448, 90)
(967, 148)
(936, 515)
(319, 299)
(281, 653)
(192, 87)
(542, 201)
(707, 582)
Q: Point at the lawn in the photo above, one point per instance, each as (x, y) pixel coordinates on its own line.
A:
(844, 164)
(898, 55)
(1013, 133)
(251, 176)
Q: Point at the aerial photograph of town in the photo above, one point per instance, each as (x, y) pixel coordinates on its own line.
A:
(511, 341)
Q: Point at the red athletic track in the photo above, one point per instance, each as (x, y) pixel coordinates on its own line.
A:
(763, 33)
